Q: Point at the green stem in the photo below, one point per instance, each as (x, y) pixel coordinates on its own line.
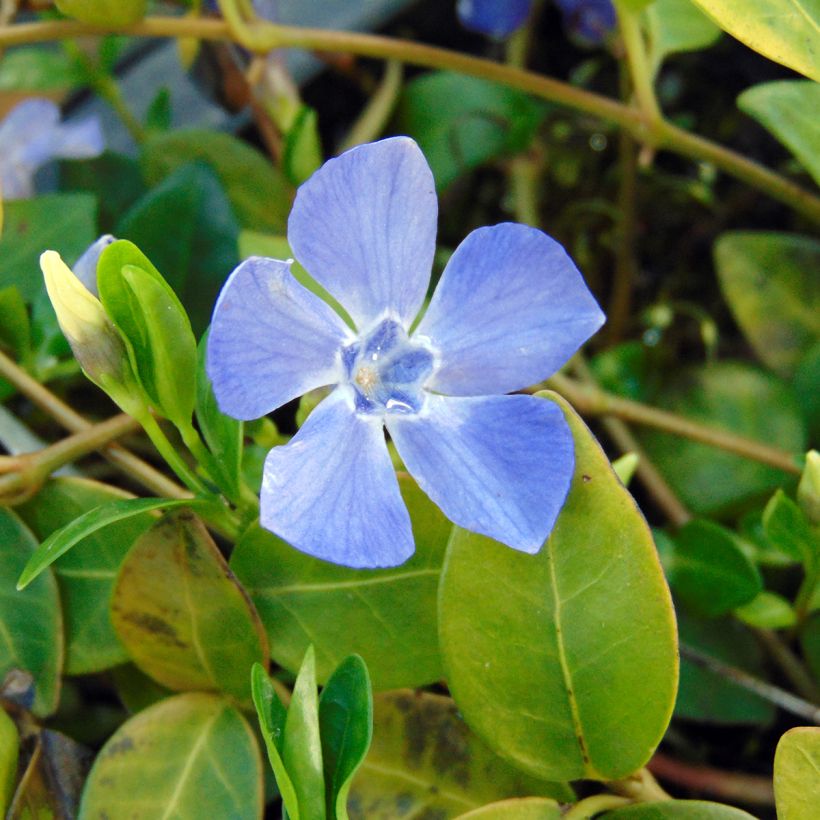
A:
(791, 666)
(639, 68)
(172, 457)
(263, 37)
(125, 460)
(376, 114)
(589, 807)
(593, 401)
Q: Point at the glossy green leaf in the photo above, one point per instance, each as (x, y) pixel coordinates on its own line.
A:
(704, 695)
(787, 109)
(785, 31)
(104, 12)
(135, 689)
(302, 153)
(272, 713)
(15, 328)
(342, 611)
(222, 434)
(65, 223)
(302, 746)
(346, 729)
(86, 575)
(157, 330)
(260, 194)
(525, 645)
(741, 399)
(9, 754)
(31, 623)
(38, 68)
(679, 810)
(768, 611)
(461, 122)
(676, 26)
(198, 255)
(181, 614)
(61, 541)
(425, 762)
(522, 808)
(788, 529)
(709, 571)
(797, 774)
(771, 285)
(185, 755)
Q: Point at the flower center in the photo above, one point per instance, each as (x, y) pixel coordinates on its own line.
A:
(387, 370)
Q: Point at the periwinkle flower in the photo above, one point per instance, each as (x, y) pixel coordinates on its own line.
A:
(509, 310)
(32, 135)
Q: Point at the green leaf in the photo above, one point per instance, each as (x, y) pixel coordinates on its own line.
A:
(9, 754)
(104, 12)
(61, 541)
(260, 194)
(676, 26)
(741, 399)
(302, 153)
(785, 31)
(160, 341)
(15, 328)
(301, 746)
(346, 729)
(796, 767)
(704, 695)
(272, 713)
(786, 108)
(462, 122)
(810, 642)
(302, 601)
(788, 529)
(768, 611)
(39, 68)
(65, 223)
(199, 253)
(679, 810)
(86, 575)
(31, 623)
(210, 636)
(771, 285)
(222, 434)
(709, 571)
(522, 808)
(135, 689)
(425, 762)
(174, 759)
(525, 644)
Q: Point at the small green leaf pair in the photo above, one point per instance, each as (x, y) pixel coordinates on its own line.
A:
(316, 745)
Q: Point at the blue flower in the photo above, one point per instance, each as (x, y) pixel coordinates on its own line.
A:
(32, 135)
(589, 20)
(509, 310)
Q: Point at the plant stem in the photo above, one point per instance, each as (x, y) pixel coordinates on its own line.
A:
(791, 666)
(130, 464)
(774, 694)
(32, 469)
(264, 37)
(171, 456)
(591, 400)
(590, 806)
(639, 69)
(640, 787)
(733, 787)
(376, 114)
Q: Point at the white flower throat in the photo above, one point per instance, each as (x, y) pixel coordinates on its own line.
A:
(387, 370)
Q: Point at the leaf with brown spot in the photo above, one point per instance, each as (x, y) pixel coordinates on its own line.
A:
(181, 613)
(425, 762)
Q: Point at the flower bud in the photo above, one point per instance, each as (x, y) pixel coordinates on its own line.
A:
(808, 491)
(96, 343)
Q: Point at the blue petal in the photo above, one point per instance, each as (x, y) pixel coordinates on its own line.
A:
(364, 226)
(78, 140)
(85, 268)
(497, 465)
(271, 340)
(26, 138)
(590, 20)
(510, 309)
(332, 491)
(495, 18)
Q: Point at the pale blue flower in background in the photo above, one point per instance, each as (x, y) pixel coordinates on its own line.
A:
(510, 309)
(32, 135)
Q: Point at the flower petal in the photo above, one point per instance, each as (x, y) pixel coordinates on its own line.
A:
(85, 268)
(495, 18)
(332, 491)
(271, 340)
(79, 140)
(26, 138)
(510, 309)
(364, 226)
(497, 465)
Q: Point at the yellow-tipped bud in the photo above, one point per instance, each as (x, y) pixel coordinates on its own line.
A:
(96, 343)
